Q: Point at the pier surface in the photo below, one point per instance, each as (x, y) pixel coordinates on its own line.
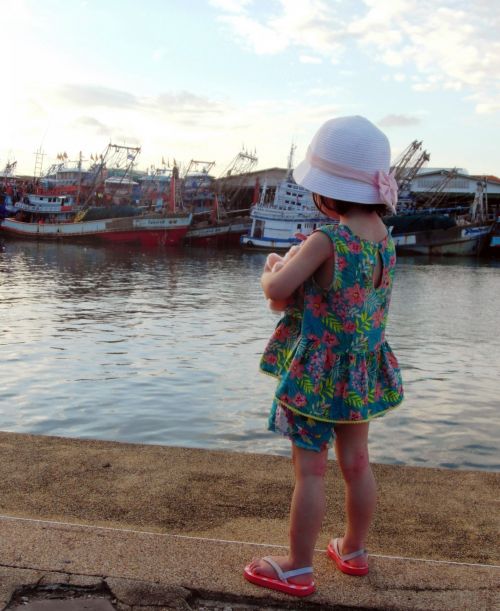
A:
(105, 525)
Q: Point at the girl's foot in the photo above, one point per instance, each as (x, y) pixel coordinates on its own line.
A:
(261, 567)
(350, 561)
(277, 573)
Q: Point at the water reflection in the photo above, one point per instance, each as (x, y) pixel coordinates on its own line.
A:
(162, 347)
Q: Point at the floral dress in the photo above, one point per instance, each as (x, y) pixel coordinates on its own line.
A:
(329, 350)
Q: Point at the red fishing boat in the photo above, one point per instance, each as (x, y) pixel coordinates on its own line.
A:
(51, 215)
(216, 223)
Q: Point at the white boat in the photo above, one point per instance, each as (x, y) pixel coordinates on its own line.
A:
(60, 207)
(285, 220)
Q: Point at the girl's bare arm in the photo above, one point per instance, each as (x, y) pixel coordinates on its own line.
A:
(281, 284)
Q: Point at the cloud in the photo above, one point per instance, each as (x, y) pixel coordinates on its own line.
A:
(231, 6)
(96, 95)
(90, 123)
(185, 100)
(488, 107)
(159, 54)
(309, 59)
(173, 103)
(188, 107)
(310, 24)
(451, 45)
(398, 121)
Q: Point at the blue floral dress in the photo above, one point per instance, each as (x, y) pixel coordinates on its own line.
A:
(329, 350)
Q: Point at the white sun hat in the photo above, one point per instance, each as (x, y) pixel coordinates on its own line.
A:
(349, 159)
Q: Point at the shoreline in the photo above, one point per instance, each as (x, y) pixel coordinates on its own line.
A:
(431, 524)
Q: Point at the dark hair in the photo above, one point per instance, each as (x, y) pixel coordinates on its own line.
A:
(339, 206)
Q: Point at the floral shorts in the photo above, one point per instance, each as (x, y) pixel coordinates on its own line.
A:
(303, 432)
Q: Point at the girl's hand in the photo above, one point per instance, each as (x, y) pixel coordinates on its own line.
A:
(278, 305)
(292, 252)
(271, 261)
(275, 262)
(301, 265)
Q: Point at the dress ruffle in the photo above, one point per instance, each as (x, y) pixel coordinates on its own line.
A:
(281, 344)
(340, 386)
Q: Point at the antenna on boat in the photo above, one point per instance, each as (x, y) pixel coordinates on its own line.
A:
(290, 161)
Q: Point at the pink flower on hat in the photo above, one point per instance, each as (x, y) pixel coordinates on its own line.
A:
(387, 188)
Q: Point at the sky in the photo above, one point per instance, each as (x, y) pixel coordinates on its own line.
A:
(203, 79)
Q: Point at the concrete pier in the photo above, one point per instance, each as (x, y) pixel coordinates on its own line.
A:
(162, 527)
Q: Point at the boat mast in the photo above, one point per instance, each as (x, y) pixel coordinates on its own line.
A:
(173, 188)
(39, 155)
(290, 162)
(478, 209)
(79, 178)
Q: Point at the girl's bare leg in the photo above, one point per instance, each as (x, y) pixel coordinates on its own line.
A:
(351, 447)
(306, 513)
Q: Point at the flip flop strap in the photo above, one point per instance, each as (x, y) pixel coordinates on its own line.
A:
(283, 576)
(352, 555)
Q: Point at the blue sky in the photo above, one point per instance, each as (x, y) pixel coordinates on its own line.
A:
(198, 79)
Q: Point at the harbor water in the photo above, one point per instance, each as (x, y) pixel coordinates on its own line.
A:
(163, 347)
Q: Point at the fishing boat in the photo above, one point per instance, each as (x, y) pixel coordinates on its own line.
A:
(219, 230)
(46, 217)
(454, 231)
(50, 216)
(284, 220)
(215, 223)
(494, 247)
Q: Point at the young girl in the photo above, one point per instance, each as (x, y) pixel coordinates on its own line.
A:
(336, 371)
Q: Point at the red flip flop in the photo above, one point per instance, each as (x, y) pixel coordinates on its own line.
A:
(280, 582)
(341, 560)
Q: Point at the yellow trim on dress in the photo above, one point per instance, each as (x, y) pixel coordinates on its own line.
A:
(298, 412)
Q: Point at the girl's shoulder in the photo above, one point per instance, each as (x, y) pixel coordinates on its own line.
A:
(331, 230)
(345, 243)
(338, 233)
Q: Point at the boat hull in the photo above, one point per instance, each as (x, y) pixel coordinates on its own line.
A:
(147, 232)
(454, 241)
(494, 246)
(217, 235)
(270, 244)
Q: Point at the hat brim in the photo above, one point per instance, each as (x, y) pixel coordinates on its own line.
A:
(336, 187)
